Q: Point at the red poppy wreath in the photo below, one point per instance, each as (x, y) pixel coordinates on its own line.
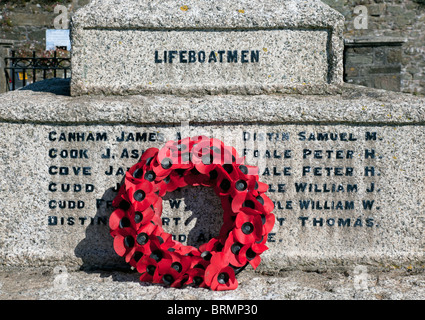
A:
(136, 224)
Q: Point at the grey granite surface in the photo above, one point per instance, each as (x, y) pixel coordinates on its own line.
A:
(353, 104)
(60, 283)
(281, 46)
(203, 14)
(384, 155)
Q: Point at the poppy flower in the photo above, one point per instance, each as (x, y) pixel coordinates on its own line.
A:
(164, 241)
(164, 163)
(185, 250)
(244, 183)
(162, 169)
(124, 242)
(154, 252)
(249, 170)
(182, 146)
(166, 274)
(134, 258)
(122, 228)
(144, 185)
(224, 183)
(183, 160)
(121, 196)
(201, 148)
(241, 254)
(230, 170)
(218, 153)
(197, 261)
(252, 254)
(148, 155)
(207, 163)
(146, 239)
(213, 245)
(249, 227)
(246, 200)
(172, 271)
(118, 220)
(181, 263)
(148, 268)
(139, 218)
(175, 180)
(134, 175)
(241, 186)
(261, 187)
(268, 221)
(265, 201)
(159, 188)
(233, 248)
(196, 277)
(219, 275)
(141, 195)
(138, 170)
(166, 151)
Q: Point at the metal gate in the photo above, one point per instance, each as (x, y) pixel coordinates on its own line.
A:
(21, 71)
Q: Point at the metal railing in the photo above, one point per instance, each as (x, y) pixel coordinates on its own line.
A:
(21, 71)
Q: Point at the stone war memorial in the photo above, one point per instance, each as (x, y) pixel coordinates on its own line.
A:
(343, 165)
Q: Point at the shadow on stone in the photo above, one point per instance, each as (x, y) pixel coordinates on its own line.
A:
(200, 215)
(56, 86)
(197, 219)
(96, 250)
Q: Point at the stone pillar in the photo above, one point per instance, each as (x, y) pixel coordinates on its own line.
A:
(5, 46)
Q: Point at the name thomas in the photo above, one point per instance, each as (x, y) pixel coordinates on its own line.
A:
(220, 56)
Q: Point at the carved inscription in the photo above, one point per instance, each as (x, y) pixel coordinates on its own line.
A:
(202, 56)
(326, 179)
(317, 179)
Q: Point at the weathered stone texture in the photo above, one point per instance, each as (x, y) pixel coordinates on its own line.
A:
(393, 18)
(380, 135)
(297, 44)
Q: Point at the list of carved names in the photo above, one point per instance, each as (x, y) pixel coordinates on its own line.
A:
(317, 179)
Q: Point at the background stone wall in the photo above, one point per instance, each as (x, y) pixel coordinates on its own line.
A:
(26, 21)
(393, 18)
(374, 63)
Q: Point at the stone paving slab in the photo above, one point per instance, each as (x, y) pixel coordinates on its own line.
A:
(61, 284)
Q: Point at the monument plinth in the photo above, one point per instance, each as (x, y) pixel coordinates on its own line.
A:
(206, 47)
(344, 167)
